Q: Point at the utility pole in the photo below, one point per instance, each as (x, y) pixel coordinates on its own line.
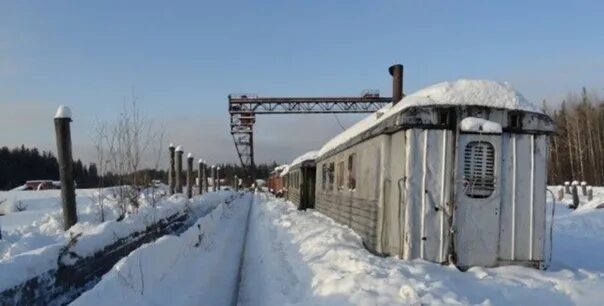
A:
(65, 159)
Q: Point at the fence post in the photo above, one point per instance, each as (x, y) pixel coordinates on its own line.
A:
(567, 187)
(584, 188)
(179, 153)
(190, 175)
(200, 175)
(172, 171)
(590, 193)
(560, 193)
(236, 182)
(213, 173)
(218, 178)
(65, 159)
(575, 193)
(204, 176)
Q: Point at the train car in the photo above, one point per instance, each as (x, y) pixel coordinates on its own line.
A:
(454, 173)
(300, 182)
(275, 181)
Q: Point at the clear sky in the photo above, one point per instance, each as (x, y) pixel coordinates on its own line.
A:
(183, 59)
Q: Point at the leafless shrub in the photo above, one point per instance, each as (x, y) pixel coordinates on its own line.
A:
(122, 147)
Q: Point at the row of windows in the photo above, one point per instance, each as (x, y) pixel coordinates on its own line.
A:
(329, 172)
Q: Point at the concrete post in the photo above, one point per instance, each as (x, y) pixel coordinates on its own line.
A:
(65, 159)
(189, 175)
(584, 188)
(179, 182)
(200, 176)
(575, 192)
(172, 171)
(567, 187)
(213, 173)
(218, 178)
(590, 193)
(204, 176)
(560, 193)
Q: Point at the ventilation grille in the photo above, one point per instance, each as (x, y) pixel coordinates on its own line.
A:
(479, 169)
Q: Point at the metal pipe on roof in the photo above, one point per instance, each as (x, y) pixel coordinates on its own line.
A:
(396, 71)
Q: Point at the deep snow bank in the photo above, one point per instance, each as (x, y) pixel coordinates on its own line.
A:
(31, 250)
(304, 258)
(197, 268)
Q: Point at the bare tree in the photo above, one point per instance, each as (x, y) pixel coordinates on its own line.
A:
(125, 145)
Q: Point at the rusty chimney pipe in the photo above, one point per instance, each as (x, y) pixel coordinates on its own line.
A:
(396, 71)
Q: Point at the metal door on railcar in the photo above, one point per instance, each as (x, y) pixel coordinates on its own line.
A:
(477, 199)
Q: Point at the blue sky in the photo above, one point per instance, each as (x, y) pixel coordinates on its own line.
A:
(183, 59)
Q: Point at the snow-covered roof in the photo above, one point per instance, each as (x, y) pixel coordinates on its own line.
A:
(479, 125)
(311, 155)
(469, 92)
(284, 171)
(460, 92)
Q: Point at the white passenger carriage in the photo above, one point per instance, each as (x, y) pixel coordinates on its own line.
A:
(454, 173)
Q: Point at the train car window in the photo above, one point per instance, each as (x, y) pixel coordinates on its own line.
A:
(331, 174)
(324, 177)
(352, 178)
(479, 169)
(340, 175)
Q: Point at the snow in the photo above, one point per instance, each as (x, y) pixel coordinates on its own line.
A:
(305, 258)
(460, 92)
(311, 155)
(63, 112)
(190, 155)
(470, 92)
(199, 267)
(179, 149)
(32, 247)
(479, 125)
(171, 145)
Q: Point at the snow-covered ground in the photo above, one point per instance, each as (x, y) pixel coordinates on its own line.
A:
(304, 258)
(199, 267)
(32, 244)
(296, 257)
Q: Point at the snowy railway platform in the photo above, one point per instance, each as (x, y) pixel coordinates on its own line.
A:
(293, 257)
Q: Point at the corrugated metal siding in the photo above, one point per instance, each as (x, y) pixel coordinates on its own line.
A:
(516, 206)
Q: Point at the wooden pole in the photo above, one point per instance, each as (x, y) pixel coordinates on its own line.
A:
(204, 176)
(200, 176)
(190, 175)
(218, 178)
(584, 188)
(172, 171)
(590, 193)
(236, 181)
(65, 159)
(213, 178)
(575, 193)
(567, 187)
(179, 169)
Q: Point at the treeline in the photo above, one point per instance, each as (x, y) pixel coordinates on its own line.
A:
(22, 164)
(577, 149)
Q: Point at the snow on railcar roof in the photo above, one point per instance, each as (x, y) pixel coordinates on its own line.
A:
(469, 92)
(310, 155)
(461, 92)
